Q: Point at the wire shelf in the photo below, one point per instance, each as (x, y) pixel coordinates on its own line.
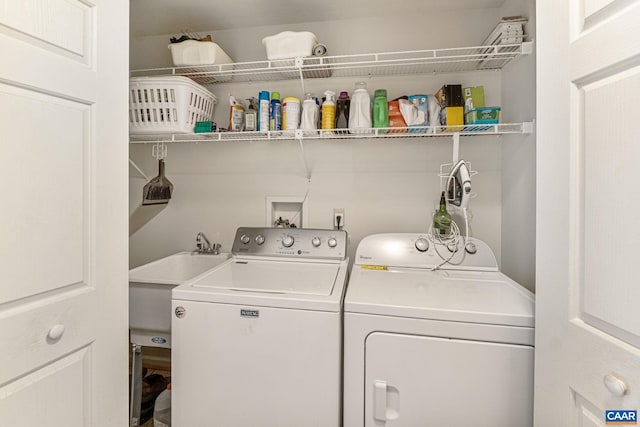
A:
(429, 61)
(381, 133)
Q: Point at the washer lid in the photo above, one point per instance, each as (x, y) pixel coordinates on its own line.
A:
(459, 296)
(286, 284)
(272, 277)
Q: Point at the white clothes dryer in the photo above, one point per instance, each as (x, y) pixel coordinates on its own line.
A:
(257, 341)
(446, 347)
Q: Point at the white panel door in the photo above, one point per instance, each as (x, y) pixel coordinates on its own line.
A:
(63, 215)
(588, 323)
(413, 380)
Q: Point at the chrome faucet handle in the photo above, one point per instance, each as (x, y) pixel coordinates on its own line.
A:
(202, 243)
(215, 248)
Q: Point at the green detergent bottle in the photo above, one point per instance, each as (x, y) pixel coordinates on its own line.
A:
(380, 110)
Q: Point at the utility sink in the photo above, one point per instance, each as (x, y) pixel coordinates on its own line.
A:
(150, 288)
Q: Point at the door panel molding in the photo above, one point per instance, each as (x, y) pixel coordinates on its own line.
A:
(62, 27)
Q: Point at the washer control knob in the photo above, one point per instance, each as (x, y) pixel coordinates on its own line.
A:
(452, 247)
(471, 248)
(288, 241)
(422, 244)
(316, 241)
(332, 242)
(259, 239)
(245, 239)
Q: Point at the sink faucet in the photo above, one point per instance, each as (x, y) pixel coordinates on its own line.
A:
(203, 246)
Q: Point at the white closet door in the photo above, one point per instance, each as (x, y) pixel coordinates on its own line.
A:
(63, 215)
(588, 323)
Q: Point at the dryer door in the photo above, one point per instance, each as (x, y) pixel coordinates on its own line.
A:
(425, 381)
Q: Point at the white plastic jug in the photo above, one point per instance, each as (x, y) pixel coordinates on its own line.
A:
(162, 409)
(360, 113)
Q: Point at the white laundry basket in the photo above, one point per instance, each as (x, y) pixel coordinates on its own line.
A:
(167, 104)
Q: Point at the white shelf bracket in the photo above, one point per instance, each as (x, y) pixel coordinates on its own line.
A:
(527, 127)
(456, 147)
(299, 62)
(136, 167)
(299, 137)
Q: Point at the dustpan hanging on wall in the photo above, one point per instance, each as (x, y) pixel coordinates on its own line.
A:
(159, 189)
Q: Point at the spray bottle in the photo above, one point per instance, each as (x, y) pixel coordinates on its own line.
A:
(328, 111)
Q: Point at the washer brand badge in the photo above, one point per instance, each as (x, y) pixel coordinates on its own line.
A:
(180, 312)
(249, 313)
(158, 340)
(621, 417)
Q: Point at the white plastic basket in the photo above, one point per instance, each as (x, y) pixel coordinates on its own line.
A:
(167, 104)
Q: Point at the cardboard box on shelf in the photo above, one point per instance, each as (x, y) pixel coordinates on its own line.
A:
(473, 98)
(452, 118)
(450, 96)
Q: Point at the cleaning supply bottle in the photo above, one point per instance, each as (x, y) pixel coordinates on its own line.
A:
(360, 109)
(380, 110)
(442, 218)
(251, 116)
(275, 118)
(236, 114)
(328, 111)
(319, 104)
(342, 113)
(263, 111)
(290, 113)
(309, 120)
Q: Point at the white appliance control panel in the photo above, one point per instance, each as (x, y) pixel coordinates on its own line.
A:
(305, 243)
(421, 251)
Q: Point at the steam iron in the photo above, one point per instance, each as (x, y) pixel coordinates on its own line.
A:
(459, 185)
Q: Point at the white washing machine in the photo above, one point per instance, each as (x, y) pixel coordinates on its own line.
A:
(257, 341)
(447, 347)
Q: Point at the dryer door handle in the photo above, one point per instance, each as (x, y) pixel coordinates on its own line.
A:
(380, 400)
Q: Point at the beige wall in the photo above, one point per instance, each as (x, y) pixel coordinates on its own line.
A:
(383, 185)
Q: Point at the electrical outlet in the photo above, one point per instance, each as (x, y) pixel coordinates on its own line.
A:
(338, 218)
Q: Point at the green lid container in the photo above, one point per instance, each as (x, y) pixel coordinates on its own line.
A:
(380, 92)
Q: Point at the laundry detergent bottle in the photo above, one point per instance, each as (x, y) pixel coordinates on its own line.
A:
(328, 112)
(380, 110)
(343, 105)
(360, 110)
(309, 120)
